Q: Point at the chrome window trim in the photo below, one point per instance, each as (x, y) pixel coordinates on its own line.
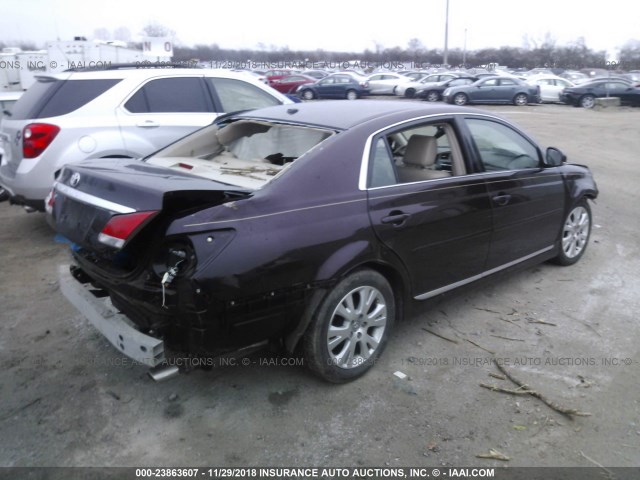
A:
(451, 286)
(366, 154)
(92, 199)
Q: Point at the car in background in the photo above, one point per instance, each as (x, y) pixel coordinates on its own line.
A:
(337, 85)
(272, 75)
(574, 76)
(551, 86)
(317, 74)
(253, 74)
(7, 100)
(312, 227)
(409, 89)
(432, 92)
(498, 89)
(584, 95)
(124, 111)
(415, 76)
(291, 83)
(385, 83)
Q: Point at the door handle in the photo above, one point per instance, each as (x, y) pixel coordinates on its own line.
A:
(395, 218)
(148, 124)
(501, 200)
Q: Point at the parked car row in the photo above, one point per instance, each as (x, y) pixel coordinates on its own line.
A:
(430, 85)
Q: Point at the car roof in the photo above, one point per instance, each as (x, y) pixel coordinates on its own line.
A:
(591, 81)
(144, 73)
(343, 114)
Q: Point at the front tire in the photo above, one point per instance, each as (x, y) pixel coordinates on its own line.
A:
(410, 92)
(352, 95)
(576, 230)
(460, 99)
(308, 95)
(350, 328)
(587, 101)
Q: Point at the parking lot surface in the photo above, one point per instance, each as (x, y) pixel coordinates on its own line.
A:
(570, 333)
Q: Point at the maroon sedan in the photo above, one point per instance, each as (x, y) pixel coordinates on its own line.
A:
(311, 226)
(291, 83)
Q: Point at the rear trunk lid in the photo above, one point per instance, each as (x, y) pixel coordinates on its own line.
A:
(90, 195)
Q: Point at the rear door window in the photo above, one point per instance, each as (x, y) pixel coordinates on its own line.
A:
(52, 98)
(171, 95)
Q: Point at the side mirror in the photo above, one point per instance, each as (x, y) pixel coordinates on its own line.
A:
(554, 157)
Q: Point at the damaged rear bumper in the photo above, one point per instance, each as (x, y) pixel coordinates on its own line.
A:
(115, 326)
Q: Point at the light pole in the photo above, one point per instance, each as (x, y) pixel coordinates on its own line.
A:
(446, 36)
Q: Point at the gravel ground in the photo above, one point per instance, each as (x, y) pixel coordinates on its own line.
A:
(69, 398)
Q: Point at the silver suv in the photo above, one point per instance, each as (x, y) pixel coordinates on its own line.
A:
(120, 112)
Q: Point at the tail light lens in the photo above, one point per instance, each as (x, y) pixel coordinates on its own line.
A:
(121, 228)
(36, 137)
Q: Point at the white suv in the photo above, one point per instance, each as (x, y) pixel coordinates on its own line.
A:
(120, 112)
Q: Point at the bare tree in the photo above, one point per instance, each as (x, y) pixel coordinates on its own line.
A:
(415, 45)
(155, 29)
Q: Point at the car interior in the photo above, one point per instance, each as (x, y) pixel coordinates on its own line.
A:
(421, 153)
(246, 153)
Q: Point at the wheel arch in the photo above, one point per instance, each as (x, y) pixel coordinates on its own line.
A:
(367, 255)
(397, 279)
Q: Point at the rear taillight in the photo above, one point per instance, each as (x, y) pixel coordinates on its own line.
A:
(122, 227)
(36, 137)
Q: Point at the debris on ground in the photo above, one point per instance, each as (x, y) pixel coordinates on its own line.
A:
(494, 454)
(440, 336)
(524, 389)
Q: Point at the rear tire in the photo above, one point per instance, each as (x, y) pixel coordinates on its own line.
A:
(521, 99)
(352, 95)
(350, 328)
(4, 195)
(432, 96)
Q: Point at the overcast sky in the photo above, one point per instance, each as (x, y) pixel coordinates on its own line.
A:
(334, 25)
